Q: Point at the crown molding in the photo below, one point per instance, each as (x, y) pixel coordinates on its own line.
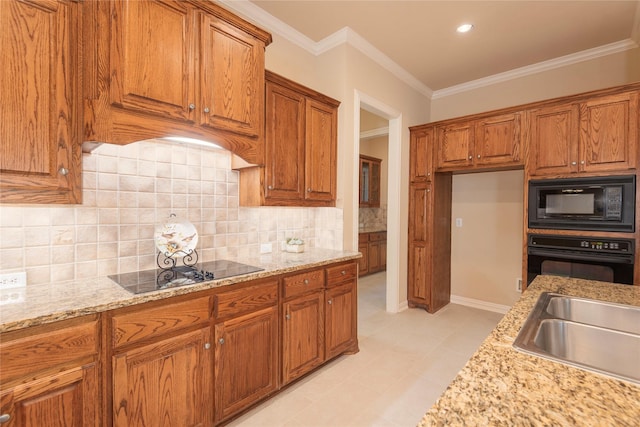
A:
(374, 133)
(342, 36)
(346, 35)
(551, 64)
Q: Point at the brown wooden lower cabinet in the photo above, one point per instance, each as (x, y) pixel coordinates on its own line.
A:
(168, 382)
(302, 335)
(50, 376)
(247, 346)
(373, 247)
(189, 360)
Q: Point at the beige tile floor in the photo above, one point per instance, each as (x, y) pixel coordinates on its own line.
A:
(406, 361)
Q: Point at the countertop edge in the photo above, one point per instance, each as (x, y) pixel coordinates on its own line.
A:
(116, 297)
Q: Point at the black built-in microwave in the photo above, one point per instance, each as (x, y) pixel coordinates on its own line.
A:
(591, 203)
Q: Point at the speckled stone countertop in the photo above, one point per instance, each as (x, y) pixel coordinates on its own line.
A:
(64, 300)
(371, 230)
(500, 386)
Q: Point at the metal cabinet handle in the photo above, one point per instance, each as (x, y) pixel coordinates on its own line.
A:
(330, 302)
(4, 418)
(270, 187)
(206, 109)
(470, 157)
(287, 316)
(64, 172)
(343, 272)
(478, 155)
(308, 190)
(207, 346)
(306, 281)
(428, 190)
(582, 162)
(221, 340)
(428, 173)
(192, 106)
(573, 163)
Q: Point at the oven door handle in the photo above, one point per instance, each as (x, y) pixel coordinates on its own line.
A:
(581, 256)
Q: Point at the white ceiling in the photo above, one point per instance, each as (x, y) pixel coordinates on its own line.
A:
(417, 39)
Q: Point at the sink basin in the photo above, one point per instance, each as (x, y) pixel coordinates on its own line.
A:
(589, 334)
(598, 313)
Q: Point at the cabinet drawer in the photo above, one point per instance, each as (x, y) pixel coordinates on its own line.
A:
(46, 346)
(341, 273)
(235, 302)
(153, 322)
(303, 283)
(375, 237)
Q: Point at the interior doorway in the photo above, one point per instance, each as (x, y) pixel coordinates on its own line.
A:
(393, 190)
(373, 200)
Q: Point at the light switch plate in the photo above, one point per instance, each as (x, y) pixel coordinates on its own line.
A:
(13, 280)
(266, 248)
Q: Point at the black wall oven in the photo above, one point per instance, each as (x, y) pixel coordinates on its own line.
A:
(592, 203)
(592, 258)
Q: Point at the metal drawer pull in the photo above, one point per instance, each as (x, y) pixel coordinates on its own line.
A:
(287, 316)
(4, 418)
(207, 346)
(64, 172)
(206, 109)
(306, 281)
(329, 302)
(221, 340)
(192, 106)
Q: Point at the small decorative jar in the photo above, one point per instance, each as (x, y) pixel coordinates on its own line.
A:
(294, 245)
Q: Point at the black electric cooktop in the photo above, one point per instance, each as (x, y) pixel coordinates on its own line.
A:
(141, 282)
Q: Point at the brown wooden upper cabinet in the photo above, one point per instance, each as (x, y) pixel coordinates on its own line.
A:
(491, 142)
(597, 135)
(370, 168)
(40, 157)
(300, 149)
(167, 68)
(421, 154)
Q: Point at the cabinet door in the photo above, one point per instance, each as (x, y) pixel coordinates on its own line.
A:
(497, 141)
(303, 335)
(553, 148)
(455, 144)
(420, 167)
(152, 59)
(374, 257)
(246, 361)
(284, 145)
(340, 318)
(420, 205)
(67, 398)
(374, 184)
(609, 133)
(165, 383)
(363, 263)
(320, 158)
(40, 158)
(232, 78)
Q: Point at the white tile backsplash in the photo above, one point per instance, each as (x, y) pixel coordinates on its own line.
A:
(127, 191)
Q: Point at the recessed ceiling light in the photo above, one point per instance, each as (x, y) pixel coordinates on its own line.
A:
(464, 28)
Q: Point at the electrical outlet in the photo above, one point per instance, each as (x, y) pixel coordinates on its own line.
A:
(519, 284)
(458, 222)
(266, 248)
(13, 280)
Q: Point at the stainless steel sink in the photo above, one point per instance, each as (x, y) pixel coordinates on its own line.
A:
(598, 313)
(590, 334)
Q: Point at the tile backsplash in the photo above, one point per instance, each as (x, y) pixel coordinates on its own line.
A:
(129, 190)
(373, 218)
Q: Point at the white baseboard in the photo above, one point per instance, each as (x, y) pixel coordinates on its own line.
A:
(482, 305)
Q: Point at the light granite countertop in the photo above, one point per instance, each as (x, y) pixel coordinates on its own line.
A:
(51, 302)
(363, 230)
(500, 386)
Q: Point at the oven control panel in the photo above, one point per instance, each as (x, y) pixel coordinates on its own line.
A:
(582, 243)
